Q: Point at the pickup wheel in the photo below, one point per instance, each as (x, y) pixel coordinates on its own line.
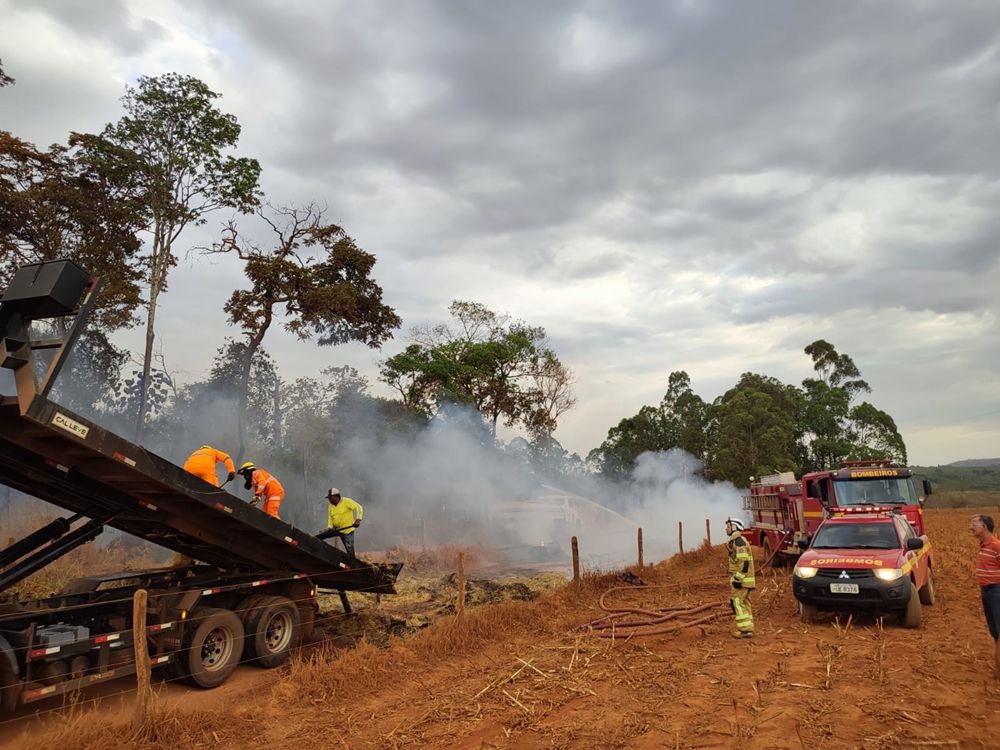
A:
(212, 646)
(927, 590)
(273, 629)
(807, 612)
(912, 615)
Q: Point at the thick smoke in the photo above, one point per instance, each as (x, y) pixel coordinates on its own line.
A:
(447, 483)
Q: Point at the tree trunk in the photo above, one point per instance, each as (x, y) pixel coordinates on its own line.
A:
(278, 416)
(147, 365)
(252, 346)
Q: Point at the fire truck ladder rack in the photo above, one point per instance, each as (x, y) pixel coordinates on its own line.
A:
(58, 456)
(769, 501)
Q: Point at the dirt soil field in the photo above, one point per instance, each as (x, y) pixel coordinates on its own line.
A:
(522, 675)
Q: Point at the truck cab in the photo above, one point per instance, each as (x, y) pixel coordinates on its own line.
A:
(860, 561)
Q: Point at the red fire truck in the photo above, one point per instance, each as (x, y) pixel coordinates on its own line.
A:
(786, 510)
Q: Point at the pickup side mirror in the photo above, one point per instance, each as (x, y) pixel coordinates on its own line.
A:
(914, 543)
(803, 544)
(928, 488)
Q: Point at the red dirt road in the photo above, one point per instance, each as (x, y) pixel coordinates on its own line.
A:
(517, 676)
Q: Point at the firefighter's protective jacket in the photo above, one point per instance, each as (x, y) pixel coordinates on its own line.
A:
(202, 463)
(344, 514)
(265, 486)
(740, 561)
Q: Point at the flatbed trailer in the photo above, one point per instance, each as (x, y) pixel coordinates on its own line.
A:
(250, 596)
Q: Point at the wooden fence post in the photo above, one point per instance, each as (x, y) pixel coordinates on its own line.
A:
(461, 583)
(680, 536)
(142, 664)
(640, 547)
(576, 561)
(708, 531)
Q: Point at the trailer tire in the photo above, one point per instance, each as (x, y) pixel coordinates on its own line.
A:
(10, 685)
(212, 646)
(927, 590)
(273, 629)
(808, 612)
(912, 614)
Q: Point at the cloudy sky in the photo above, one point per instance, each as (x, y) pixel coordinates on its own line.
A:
(688, 185)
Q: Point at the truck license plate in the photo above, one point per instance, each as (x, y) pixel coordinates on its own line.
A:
(843, 588)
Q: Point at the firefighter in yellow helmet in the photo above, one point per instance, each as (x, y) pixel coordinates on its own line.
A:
(265, 488)
(741, 580)
(203, 461)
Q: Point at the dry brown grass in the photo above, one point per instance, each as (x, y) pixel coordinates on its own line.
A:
(89, 559)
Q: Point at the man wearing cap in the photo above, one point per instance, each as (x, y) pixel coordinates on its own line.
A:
(741, 580)
(343, 517)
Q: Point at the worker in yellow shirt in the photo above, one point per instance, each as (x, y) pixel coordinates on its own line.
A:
(343, 517)
(203, 461)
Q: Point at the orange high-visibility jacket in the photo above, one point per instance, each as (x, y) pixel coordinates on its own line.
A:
(202, 463)
(265, 485)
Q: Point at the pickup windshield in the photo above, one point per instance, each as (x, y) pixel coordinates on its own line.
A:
(856, 536)
(893, 491)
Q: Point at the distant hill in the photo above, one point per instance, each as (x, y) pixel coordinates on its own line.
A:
(977, 462)
(959, 476)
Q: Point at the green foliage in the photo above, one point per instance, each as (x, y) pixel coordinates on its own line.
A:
(680, 421)
(753, 429)
(317, 276)
(761, 425)
(961, 478)
(501, 368)
(171, 145)
(53, 204)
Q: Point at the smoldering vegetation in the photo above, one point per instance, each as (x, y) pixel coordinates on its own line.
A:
(435, 482)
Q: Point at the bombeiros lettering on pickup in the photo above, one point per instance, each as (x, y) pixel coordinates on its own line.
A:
(875, 473)
(852, 560)
(70, 425)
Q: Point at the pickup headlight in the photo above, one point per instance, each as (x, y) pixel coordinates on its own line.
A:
(804, 571)
(889, 574)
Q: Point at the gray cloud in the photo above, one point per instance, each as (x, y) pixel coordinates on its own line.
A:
(708, 185)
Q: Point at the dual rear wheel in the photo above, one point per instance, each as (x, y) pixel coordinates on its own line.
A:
(217, 640)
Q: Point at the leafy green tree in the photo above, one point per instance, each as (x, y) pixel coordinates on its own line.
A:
(55, 205)
(171, 141)
(316, 276)
(501, 367)
(680, 421)
(753, 430)
(836, 370)
(5, 80)
(874, 435)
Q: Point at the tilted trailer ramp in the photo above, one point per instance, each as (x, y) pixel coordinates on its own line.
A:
(251, 597)
(66, 460)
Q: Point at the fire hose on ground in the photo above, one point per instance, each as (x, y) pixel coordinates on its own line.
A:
(645, 622)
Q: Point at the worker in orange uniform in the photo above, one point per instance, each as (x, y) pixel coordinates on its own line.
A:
(741, 578)
(203, 461)
(265, 487)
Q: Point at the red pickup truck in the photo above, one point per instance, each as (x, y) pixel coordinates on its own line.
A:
(865, 561)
